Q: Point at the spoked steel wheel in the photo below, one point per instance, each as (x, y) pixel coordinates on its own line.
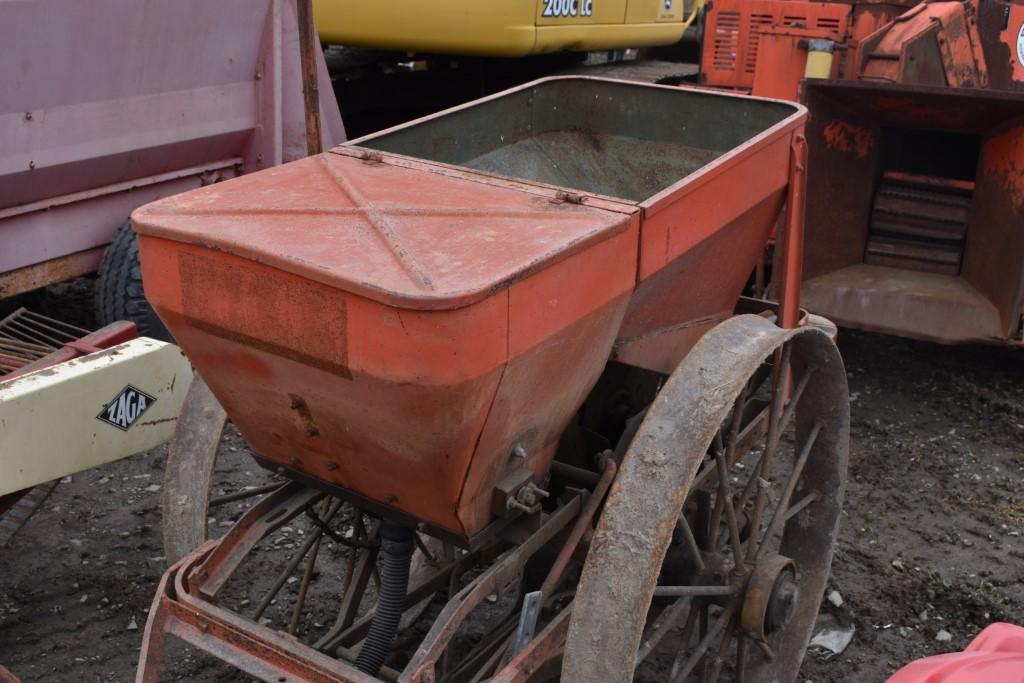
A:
(723, 518)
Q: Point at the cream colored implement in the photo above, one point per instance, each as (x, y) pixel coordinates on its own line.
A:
(90, 411)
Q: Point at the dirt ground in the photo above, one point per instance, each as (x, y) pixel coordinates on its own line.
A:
(930, 548)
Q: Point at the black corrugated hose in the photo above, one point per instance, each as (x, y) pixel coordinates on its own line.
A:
(397, 545)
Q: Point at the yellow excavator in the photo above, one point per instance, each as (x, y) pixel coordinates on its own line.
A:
(501, 28)
(396, 60)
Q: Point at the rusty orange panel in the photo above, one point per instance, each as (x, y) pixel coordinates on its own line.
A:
(562, 324)
(685, 219)
(338, 423)
(382, 388)
(782, 62)
(672, 309)
(733, 30)
(934, 44)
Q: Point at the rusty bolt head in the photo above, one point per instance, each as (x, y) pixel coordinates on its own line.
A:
(332, 465)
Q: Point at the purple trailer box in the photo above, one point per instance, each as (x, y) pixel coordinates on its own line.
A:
(109, 104)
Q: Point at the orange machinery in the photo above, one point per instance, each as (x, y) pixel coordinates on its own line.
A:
(416, 322)
(916, 137)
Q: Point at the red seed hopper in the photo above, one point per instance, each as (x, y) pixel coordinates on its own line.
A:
(412, 321)
(400, 316)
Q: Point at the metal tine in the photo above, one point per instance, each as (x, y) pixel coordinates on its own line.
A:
(17, 327)
(14, 315)
(14, 343)
(16, 354)
(75, 330)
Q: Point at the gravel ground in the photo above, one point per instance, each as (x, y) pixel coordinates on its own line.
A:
(930, 548)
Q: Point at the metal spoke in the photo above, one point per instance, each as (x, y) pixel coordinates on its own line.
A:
(313, 538)
(774, 526)
(775, 429)
(725, 493)
(730, 450)
(355, 584)
(723, 647)
(741, 655)
(665, 622)
(800, 505)
(245, 493)
(716, 523)
(705, 643)
(694, 591)
(766, 649)
(328, 509)
(431, 560)
(691, 622)
(773, 437)
(691, 541)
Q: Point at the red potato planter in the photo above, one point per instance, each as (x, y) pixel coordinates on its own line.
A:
(443, 324)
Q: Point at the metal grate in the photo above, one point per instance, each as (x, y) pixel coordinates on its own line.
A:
(26, 337)
(727, 41)
(754, 25)
(919, 223)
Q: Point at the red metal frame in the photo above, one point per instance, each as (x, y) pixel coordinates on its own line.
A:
(185, 603)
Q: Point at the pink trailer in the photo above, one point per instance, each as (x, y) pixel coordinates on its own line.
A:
(110, 104)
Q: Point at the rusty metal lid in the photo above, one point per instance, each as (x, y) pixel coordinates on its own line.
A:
(407, 235)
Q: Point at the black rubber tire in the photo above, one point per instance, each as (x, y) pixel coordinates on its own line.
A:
(119, 293)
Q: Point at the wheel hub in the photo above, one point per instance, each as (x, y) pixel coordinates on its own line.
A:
(771, 596)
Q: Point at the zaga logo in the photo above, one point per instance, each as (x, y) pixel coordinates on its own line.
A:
(125, 408)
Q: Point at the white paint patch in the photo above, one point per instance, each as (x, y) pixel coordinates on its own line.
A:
(1020, 45)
